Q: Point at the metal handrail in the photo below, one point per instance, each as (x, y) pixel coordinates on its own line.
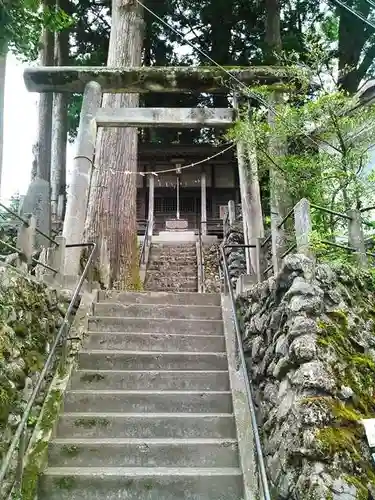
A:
(200, 245)
(26, 222)
(20, 252)
(248, 385)
(19, 437)
(144, 244)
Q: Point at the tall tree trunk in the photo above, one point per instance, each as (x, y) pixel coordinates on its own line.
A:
(47, 58)
(60, 126)
(354, 61)
(272, 32)
(3, 61)
(280, 201)
(111, 214)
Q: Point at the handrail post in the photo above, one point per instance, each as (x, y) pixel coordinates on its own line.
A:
(26, 238)
(356, 236)
(261, 262)
(303, 227)
(231, 212)
(58, 255)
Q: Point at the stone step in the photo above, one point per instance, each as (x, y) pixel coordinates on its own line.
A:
(173, 253)
(146, 425)
(171, 289)
(134, 483)
(150, 380)
(142, 360)
(181, 272)
(133, 452)
(166, 278)
(148, 401)
(204, 299)
(172, 261)
(155, 325)
(155, 342)
(156, 311)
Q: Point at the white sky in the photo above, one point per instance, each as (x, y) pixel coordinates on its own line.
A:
(20, 131)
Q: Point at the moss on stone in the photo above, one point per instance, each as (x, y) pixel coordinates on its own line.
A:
(32, 470)
(354, 369)
(92, 377)
(70, 450)
(65, 483)
(89, 423)
(51, 410)
(166, 79)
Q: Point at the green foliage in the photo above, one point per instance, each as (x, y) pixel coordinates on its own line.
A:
(21, 23)
(320, 146)
(9, 225)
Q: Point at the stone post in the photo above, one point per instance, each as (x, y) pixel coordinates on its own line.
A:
(252, 215)
(303, 227)
(231, 212)
(204, 203)
(261, 260)
(356, 236)
(26, 238)
(74, 222)
(58, 255)
(151, 196)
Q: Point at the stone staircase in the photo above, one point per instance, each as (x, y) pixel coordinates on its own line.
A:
(172, 268)
(148, 414)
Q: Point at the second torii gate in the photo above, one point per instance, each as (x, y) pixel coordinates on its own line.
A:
(94, 81)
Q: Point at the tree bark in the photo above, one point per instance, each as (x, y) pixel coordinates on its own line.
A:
(280, 201)
(3, 60)
(60, 127)
(354, 61)
(47, 57)
(272, 32)
(111, 215)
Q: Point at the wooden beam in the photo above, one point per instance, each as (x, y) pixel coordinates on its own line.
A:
(165, 117)
(182, 79)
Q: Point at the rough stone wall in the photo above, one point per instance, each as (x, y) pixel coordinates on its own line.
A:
(211, 268)
(30, 316)
(310, 346)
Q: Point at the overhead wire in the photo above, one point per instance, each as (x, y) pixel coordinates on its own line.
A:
(247, 91)
(370, 2)
(355, 13)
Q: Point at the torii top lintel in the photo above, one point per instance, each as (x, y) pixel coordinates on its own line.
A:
(183, 79)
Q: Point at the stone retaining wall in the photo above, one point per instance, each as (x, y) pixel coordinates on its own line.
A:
(309, 335)
(30, 317)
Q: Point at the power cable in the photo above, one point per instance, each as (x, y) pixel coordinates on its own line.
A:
(248, 92)
(354, 12)
(370, 2)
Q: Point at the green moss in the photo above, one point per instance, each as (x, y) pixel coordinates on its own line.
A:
(8, 396)
(32, 470)
(51, 410)
(352, 368)
(334, 440)
(65, 483)
(362, 491)
(148, 485)
(34, 361)
(70, 451)
(89, 423)
(92, 377)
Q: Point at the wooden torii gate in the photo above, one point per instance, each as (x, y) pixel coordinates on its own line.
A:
(94, 81)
